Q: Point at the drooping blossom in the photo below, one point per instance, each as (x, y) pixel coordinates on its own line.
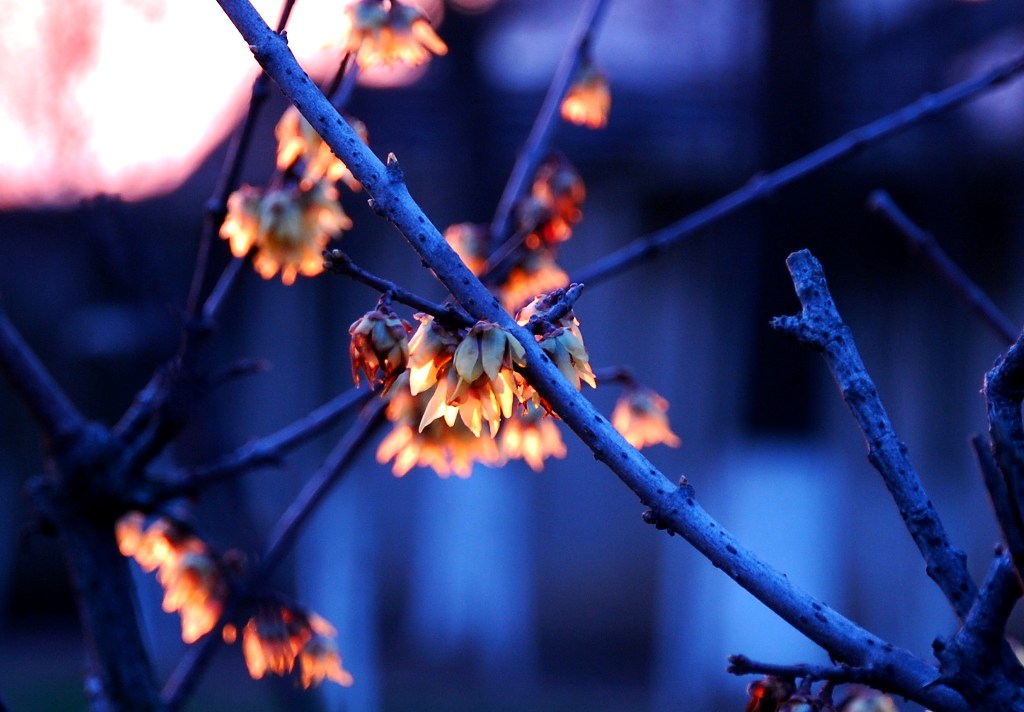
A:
(431, 349)
(470, 243)
(589, 98)
(297, 139)
(382, 33)
(553, 206)
(194, 582)
(288, 227)
(531, 436)
(480, 385)
(379, 347)
(445, 449)
(320, 660)
(537, 273)
(562, 340)
(272, 639)
(641, 416)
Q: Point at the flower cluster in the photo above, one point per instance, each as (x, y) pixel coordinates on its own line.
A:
(279, 635)
(589, 97)
(641, 415)
(560, 338)
(297, 141)
(288, 227)
(193, 579)
(379, 346)
(384, 33)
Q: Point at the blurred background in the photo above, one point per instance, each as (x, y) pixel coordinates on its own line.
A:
(516, 590)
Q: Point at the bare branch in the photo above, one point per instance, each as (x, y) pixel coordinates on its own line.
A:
(269, 449)
(742, 665)
(766, 185)
(340, 263)
(57, 416)
(536, 146)
(924, 243)
(1006, 508)
(820, 326)
(674, 506)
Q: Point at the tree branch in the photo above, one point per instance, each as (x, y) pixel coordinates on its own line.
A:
(764, 186)
(536, 145)
(673, 506)
(1003, 504)
(265, 450)
(742, 665)
(923, 242)
(820, 327)
(53, 411)
(282, 538)
(340, 263)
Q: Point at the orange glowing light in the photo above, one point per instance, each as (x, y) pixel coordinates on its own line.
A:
(589, 98)
(641, 416)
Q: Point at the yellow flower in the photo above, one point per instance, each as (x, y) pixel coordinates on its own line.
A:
(430, 350)
(383, 36)
(193, 580)
(289, 227)
(559, 188)
(565, 347)
(296, 139)
(479, 385)
(641, 415)
(271, 640)
(470, 243)
(589, 98)
(531, 436)
(320, 660)
(446, 449)
(536, 274)
(379, 347)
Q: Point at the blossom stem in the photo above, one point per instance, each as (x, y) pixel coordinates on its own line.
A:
(340, 263)
(764, 186)
(923, 242)
(536, 145)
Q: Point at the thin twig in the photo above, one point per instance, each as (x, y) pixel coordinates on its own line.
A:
(536, 145)
(820, 326)
(269, 449)
(674, 506)
(742, 665)
(282, 538)
(340, 263)
(923, 242)
(216, 206)
(764, 186)
(57, 417)
(1003, 504)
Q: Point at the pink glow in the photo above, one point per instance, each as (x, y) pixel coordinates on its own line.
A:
(127, 97)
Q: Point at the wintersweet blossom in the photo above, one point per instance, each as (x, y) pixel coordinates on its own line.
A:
(469, 241)
(445, 449)
(193, 580)
(271, 641)
(867, 700)
(641, 416)
(536, 274)
(382, 33)
(289, 227)
(559, 189)
(589, 98)
(320, 660)
(531, 436)
(379, 347)
(480, 386)
(297, 139)
(430, 350)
